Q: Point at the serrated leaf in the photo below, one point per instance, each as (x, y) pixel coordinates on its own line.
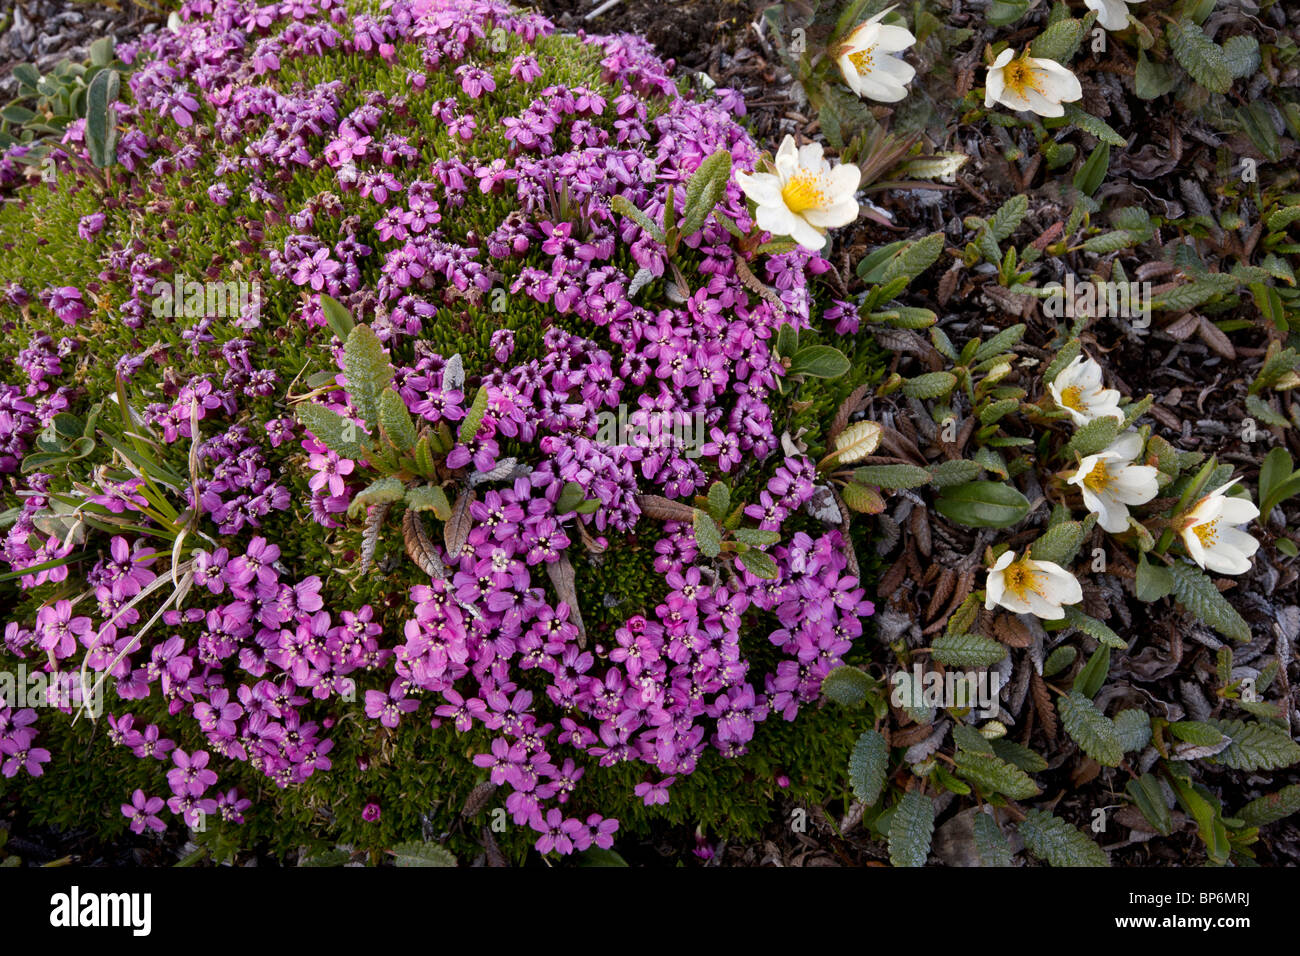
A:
(707, 536)
(1148, 796)
(911, 829)
(705, 189)
(415, 853)
(1200, 56)
(1053, 840)
(1134, 727)
(1090, 625)
(429, 498)
(623, 206)
(1092, 730)
(396, 421)
(719, 500)
(1255, 746)
(1059, 544)
(1093, 437)
(1005, 221)
(330, 427)
(914, 258)
(930, 385)
(378, 492)
(967, 650)
(945, 474)
(1197, 593)
(991, 844)
(1271, 807)
(869, 766)
(473, 419)
(759, 564)
(892, 476)
(1094, 126)
(1018, 754)
(847, 685)
(1059, 41)
(994, 775)
(366, 365)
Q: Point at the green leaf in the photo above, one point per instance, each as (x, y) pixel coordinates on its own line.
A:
(930, 385)
(1272, 807)
(1093, 437)
(571, 495)
(1094, 126)
(967, 650)
(1004, 341)
(1148, 796)
(1276, 482)
(1134, 727)
(1153, 581)
(1200, 56)
(1092, 730)
(330, 428)
(759, 564)
(1059, 41)
(1152, 79)
(1006, 220)
(337, 317)
(1197, 593)
(991, 844)
(381, 491)
(705, 189)
(911, 829)
(599, 856)
(366, 365)
(473, 419)
(415, 853)
(982, 504)
(623, 206)
(945, 474)
(1255, 746)
(1052, 839)
(1018, 754)
(396, 421)
(892, 476)
(914, 258)
(1059, 544)
(707, 536)
(1091, 626)
(847, 685)
(819, 361)
(1093, 674)
(1093, 171)
(869, 766)
(1197, 733)
(429, 498)
(756, 537)
(720, 501)
(994, 775)
(101, 118)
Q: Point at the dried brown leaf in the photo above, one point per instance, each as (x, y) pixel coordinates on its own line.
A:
(561, 575)
(664, 509)
(420, 547)
(456, 530)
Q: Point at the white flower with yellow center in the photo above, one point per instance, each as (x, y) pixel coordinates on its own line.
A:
(1111, 14)
(805, 196)
(1212, 535)
(1030, 83)
(865, 58)
(1078, 390)
(1110, 482)
(1026, 586)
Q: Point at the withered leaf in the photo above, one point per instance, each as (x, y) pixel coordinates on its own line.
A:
(478, 799)
(1011, 631)
(370, 535)
(456, 530)
(664, 509)
(1214, 337)
(1043, 705)
(561, 574)
(419, 546)
(851, 405)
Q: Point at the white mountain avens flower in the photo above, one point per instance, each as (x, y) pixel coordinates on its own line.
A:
(1212, 535)
(1030, 83)
(1110, 482)
(805, 196)
(1026, 586)
(1077, 388)
(866, 61)
(1111, 14)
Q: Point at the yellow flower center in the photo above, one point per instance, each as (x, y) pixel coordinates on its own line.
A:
(803, 192)
(1097, 479)
(1020, 578)
(1072, 397)
(1208, 533)
(1020, 76)
(862, 59)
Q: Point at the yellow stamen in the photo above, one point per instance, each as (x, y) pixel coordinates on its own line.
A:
(1097, 479)
(803, 192)
(1072, 397)
(1020, 76)
(862, 60)
(1020, 578)
(1207, 532)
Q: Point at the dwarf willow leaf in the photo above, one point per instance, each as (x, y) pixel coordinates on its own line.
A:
(707, 536)
(366, 365)
(892, 476)
(982, 504)
(101, 118)
(1148, 796)
(759, 564)
(337, 317)
(847, 685)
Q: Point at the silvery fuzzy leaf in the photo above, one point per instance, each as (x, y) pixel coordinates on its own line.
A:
(639, 281)
(920, 751)
(822, 506)
(674, 293)
(505, 469)
(453, 374)
(793, 446)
